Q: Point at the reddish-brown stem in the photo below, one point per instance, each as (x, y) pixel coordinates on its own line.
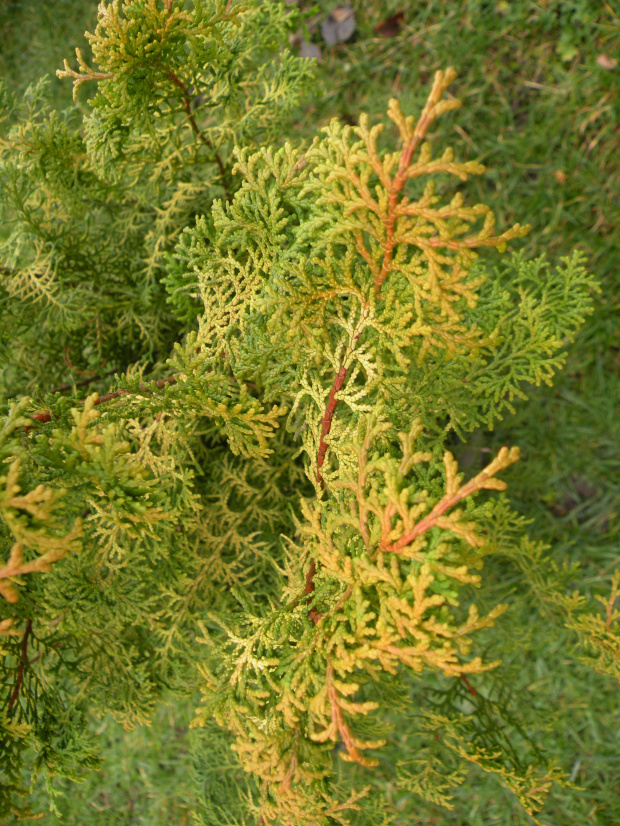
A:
(81, 383)
(314, 615)
(47, 417)
(22, 664)
(388, 246)
(194, 125)
(309, 579)
(326, 423)
(469, 685)
(393, 193)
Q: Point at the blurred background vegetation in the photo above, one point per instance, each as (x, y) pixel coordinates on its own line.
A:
(539, 86)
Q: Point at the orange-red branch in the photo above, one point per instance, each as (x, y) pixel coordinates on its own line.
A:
(327, 422)
(394, 191)
(430, 519)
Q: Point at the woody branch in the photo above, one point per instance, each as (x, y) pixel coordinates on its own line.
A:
(394, 189)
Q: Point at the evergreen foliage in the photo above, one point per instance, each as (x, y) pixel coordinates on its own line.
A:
(295, 340)
(136, 170)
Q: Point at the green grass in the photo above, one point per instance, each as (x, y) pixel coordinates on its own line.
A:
(541, 112)
(35, 38)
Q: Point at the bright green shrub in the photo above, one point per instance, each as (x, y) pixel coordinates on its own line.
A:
(261, 503)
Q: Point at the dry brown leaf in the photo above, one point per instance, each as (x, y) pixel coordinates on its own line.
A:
(391, 26)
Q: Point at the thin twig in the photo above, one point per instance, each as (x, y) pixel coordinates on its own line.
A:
(44, 418)
(43, 653)
(20, 670)
(469, 685)
(64, 387)
(194, 125)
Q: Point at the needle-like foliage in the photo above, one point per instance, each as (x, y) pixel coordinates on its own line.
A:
(263, 505)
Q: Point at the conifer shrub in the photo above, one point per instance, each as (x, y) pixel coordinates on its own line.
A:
(231, 369)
